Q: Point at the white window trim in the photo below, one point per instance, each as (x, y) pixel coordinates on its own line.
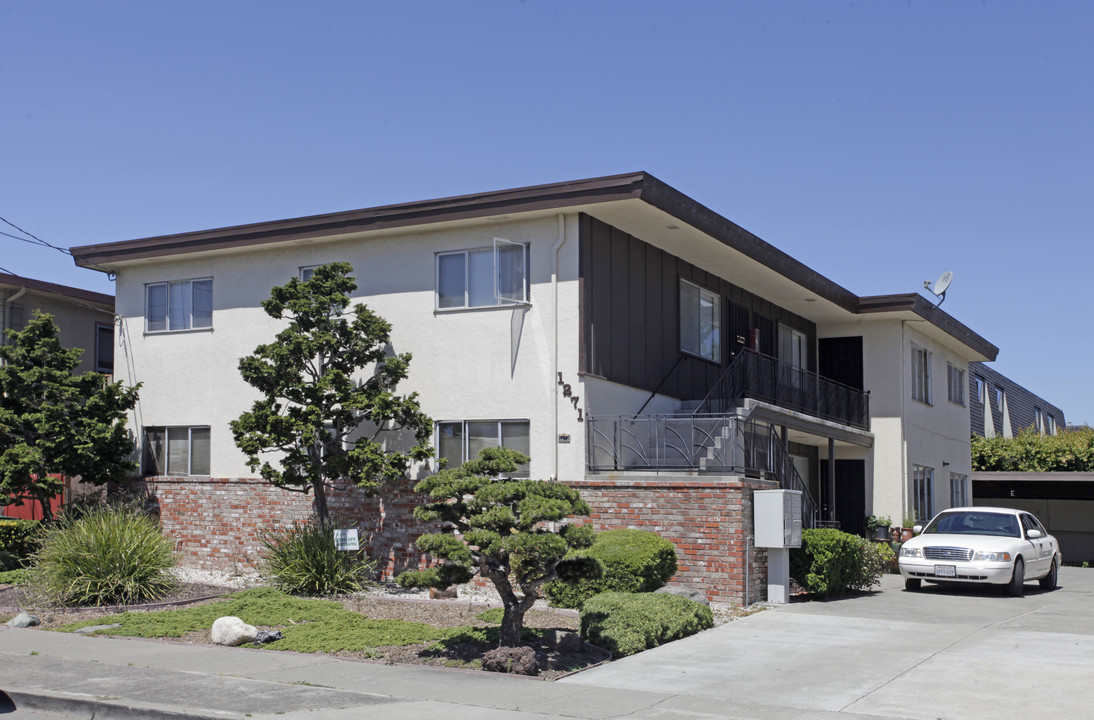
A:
(959, 490)
(922, 394)
(499, 301)
(923, 489)
(464, 437)
(716, 300)
(167, 317)
(955, 383)
(167, 449)
(305, 268)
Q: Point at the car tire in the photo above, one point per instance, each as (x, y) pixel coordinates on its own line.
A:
(911, 584)
(1048, 582)
(1017, 586)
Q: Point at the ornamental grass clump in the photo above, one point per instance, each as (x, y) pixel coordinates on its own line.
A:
(304, 559)
(109, 555)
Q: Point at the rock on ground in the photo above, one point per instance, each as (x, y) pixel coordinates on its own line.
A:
(230, 630)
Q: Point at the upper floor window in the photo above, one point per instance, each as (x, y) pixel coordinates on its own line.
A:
(306, 272)
(700, 322)
(921, 375)
(981, 389)
(484, 277)
(175, 451)
(1000, 397)
(179, 305)
(1050, 425)
(104, 349)
(461, 440)
(956, 378)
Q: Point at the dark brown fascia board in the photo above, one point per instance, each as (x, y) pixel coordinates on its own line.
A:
(676, 203)
(55, 289)
(919, 305)
(462, 207)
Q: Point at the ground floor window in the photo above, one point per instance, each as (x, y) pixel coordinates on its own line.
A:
(175, 451)
(959, 490)
(461, 440)
(922, 493)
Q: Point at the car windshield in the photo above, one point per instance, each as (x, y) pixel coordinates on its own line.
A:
(975, 523)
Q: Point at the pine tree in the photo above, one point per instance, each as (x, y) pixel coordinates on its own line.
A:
(315, 406)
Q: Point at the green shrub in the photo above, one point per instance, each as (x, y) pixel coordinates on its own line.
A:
(634, 561)
(18, 537)
(628, 623)
(304, 560)
(831, 563)
(107, 555)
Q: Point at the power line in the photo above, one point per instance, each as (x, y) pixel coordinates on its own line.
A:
(36, 240)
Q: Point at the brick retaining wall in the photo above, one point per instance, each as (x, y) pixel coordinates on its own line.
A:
(707, 518)
(216, 522)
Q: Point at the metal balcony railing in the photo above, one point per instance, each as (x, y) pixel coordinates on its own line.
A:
(721, 444)
(763, 377)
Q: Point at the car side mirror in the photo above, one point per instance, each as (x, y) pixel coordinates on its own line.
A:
(1033, 534)
(916, 529)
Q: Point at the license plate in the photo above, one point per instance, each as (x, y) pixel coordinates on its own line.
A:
(945, 570)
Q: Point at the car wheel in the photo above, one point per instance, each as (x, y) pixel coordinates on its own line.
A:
(912, 583)
(1048, 582)
(1017, 586)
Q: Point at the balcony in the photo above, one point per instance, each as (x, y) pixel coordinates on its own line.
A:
(763, 377)
(716, 444)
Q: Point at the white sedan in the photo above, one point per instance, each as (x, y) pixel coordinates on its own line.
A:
(1000, 546)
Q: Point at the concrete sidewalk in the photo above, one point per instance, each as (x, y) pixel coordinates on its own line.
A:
(934, 654)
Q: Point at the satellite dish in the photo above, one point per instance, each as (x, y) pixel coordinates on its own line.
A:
(940, 285)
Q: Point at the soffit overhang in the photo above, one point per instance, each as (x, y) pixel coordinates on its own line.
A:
(636, 203)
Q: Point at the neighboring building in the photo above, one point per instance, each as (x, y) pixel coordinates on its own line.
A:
(84, 319)
(638, 345)
(1000, 406)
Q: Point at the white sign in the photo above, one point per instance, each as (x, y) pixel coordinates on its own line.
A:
(346, 540)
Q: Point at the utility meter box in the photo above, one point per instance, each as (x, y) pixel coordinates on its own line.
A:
(778, 517)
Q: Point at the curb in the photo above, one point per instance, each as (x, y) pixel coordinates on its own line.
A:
(95, 708)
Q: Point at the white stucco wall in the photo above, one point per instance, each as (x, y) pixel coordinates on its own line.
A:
(908, 432)
(462, 363)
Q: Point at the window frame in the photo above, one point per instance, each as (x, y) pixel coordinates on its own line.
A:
(464, 439)
(499, 246)
(167, 285)
(923, 493)
(955, 379)
(715, 299)
(148, 455)
(101, 367)
(310, 269)
(921, 375)
(959, 490)
(981, 389)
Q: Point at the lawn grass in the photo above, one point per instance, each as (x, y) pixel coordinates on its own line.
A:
(309, 625)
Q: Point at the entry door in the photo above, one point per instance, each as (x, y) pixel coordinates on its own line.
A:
(850, 494)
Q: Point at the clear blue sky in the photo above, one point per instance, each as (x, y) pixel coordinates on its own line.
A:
(878, 142)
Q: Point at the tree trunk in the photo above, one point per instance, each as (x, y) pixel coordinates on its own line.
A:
(321, 510)
(514, 608)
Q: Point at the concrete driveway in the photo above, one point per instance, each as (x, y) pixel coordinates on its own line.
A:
(937, 653)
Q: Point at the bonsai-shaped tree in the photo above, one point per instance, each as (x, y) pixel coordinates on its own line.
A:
(502, 529)
(54, 422)
(312, 403)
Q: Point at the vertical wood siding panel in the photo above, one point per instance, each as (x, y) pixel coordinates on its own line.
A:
(670, 322)
(656, 362)
(638, 343)
(619, 367)
(584, 293)
(601, 252)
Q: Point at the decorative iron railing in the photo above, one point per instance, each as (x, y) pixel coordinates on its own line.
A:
(720, 444)
(763, 377)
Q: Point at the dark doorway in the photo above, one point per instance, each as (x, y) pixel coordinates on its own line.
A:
(841, 360)
(850, 494)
